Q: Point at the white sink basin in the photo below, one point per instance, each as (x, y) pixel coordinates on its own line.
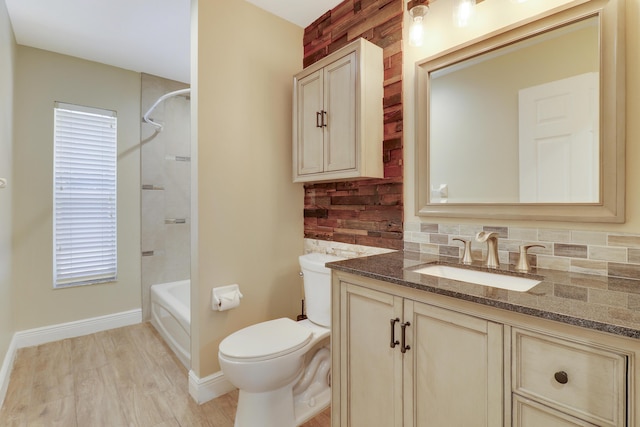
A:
(503, 281)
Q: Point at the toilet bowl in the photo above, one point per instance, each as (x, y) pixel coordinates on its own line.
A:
(282, 367)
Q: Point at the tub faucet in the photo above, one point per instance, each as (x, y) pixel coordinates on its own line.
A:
(492, 260)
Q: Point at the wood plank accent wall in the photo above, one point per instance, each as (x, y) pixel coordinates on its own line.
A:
(366, 212)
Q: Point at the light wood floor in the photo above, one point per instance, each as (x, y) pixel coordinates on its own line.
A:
(117, 378)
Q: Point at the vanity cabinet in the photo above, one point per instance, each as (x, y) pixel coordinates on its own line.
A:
(406, 357)
(338, 116)
(407, 363)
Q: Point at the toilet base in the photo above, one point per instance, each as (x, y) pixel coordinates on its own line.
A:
(306, 410)
(294, 404)
(276, 408)
(312, 393)
(270, 409)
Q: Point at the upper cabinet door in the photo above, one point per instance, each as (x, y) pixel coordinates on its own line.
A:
(338, 116)
(310, 95)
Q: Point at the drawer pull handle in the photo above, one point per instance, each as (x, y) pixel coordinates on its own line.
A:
(561, 377)
(394, 342)
(404, 347)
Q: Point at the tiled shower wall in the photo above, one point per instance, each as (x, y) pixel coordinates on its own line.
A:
(166, 188)
(591, 252)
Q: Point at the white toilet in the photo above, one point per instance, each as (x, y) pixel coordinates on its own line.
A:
(282, 367)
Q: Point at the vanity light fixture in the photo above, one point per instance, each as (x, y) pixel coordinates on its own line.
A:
(416, 31)
(463, 10)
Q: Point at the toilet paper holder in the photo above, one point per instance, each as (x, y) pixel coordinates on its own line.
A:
(223, 295)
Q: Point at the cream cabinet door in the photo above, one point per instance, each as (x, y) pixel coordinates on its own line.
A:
(340, 114)
(371, 371)
(310, 136)
(453, 371)
(326, 120)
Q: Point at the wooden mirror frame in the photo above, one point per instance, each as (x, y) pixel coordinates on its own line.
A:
(610, 208)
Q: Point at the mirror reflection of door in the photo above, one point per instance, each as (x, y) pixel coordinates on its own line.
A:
(559, 141)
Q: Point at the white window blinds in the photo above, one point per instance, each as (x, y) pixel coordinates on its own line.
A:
(84, 200)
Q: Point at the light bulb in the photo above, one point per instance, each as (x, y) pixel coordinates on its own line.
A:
(463, 11)
(416, 31)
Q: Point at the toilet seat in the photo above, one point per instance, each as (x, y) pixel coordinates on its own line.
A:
(266, 340)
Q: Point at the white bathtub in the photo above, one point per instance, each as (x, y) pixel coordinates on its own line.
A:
(171, 316)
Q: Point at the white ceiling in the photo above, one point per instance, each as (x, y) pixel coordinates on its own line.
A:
(150, 36)
(300, 12)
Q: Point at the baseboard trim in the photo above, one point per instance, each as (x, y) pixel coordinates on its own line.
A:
(43, 335)
(5, 370)
(205, 389)
(78, 328)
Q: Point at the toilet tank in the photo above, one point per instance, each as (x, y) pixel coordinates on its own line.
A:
(317, 286)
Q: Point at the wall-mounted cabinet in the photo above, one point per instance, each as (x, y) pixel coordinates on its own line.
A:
(338, 116)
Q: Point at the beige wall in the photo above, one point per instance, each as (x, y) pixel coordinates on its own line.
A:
(7, 53)
(41, 78)
(248, 227)
(491, 16)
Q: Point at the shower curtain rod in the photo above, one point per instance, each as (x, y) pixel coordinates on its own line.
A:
(162, 98)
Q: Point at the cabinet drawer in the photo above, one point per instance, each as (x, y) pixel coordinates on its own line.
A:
(587, 382)
(527, 413)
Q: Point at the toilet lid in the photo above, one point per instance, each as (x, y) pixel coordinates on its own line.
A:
(266, 340)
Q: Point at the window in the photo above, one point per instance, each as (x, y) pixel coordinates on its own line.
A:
(84, 197)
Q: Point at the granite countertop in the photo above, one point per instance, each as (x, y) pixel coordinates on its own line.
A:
(608, 304)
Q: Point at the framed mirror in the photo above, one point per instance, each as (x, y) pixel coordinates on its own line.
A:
(527, 122)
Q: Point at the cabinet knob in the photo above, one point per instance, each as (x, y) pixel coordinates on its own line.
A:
(561, 377)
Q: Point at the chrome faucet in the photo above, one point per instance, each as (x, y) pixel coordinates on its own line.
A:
(492, 261)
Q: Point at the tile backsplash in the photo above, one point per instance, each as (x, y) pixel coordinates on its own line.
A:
(591, 252)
